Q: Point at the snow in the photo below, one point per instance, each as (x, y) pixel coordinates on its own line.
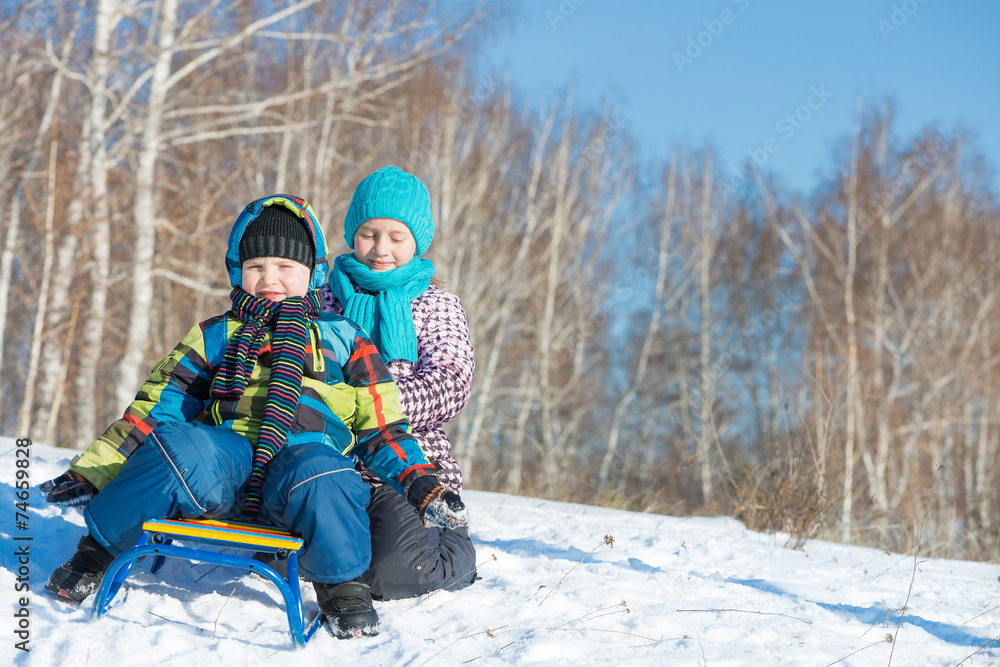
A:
(669, 591)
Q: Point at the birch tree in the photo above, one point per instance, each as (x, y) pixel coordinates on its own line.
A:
(216, 122)
(108, 15)
(21, 98)
(130, 368)
(48, 252)
(657, 307)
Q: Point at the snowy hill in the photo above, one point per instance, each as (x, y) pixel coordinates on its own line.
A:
(670, 591)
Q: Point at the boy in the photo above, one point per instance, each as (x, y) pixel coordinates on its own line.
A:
(259, 409)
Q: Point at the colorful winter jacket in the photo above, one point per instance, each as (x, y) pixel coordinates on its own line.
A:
(348, 399)
(435, 388)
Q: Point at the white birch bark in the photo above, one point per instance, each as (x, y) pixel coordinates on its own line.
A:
(14, 212)
(27, 406)
(556, 224)
(56, 351)
(984, 460)
(515, 466)
(6, 271)
(854, 415)
(90, 375)
(878, 483)
(131, 368)
(706, 427)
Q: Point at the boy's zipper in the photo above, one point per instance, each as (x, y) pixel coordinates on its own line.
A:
(317, 347)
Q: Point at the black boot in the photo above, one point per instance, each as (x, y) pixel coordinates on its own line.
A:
(348, 609)
(80, 576)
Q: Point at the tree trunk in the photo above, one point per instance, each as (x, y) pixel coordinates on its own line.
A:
(53, 361)
(706, 433)
(14, 217)
(58, 347)
(984, 459)
(879, 483)
(27, 406)
(853, 378)
(515, 467)
(89, 375)
(131, 367)
(6, 271)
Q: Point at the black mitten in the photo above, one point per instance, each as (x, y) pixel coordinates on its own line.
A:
(70, 489)
(436, 504)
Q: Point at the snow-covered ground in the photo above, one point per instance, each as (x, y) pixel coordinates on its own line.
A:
(670, 591)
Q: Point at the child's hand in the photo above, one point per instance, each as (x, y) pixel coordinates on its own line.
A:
(70, 489)
(436, 504)
(448, 511)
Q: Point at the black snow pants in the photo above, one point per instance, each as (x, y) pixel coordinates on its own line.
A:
(410, 559)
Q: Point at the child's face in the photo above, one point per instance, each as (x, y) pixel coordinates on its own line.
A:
(275, 278)
(384, 244)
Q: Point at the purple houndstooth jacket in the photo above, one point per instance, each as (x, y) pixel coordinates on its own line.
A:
(436, 388)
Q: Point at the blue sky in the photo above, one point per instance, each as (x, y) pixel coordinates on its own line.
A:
(737, 73)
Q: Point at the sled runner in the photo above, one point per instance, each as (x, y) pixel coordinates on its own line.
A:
(157, 541)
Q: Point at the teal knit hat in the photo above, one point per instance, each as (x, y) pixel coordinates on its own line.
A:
(390, 192)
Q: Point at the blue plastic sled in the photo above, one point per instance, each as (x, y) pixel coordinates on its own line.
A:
(157, 541)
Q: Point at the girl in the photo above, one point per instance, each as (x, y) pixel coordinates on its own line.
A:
(422, 334)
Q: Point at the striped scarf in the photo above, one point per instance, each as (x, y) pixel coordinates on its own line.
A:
(288, 320)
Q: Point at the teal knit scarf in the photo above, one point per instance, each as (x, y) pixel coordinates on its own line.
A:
(385, 314)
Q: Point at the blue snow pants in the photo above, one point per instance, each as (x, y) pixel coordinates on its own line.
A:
(191, 470)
